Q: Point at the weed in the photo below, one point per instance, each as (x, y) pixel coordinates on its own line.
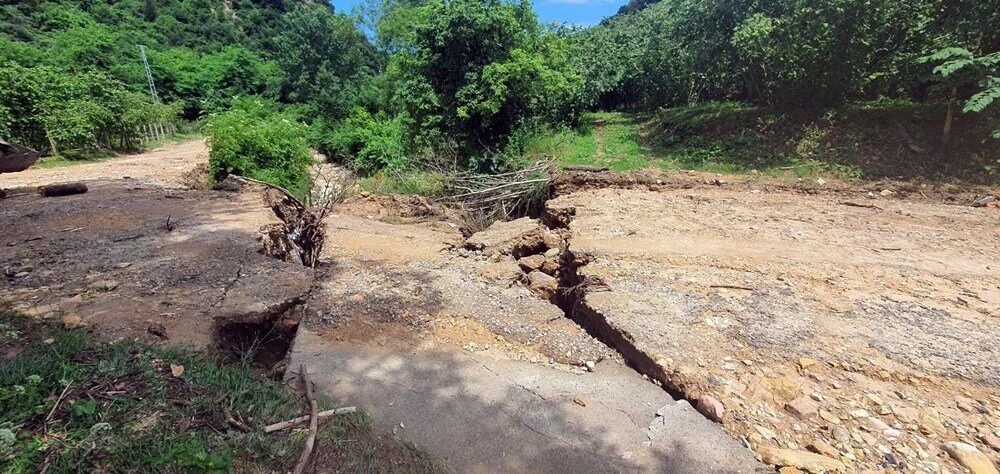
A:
(70, 403)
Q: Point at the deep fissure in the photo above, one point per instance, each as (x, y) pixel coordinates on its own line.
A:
(571, 299)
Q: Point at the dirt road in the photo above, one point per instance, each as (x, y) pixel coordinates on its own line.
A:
(826, 329)
(163, 166)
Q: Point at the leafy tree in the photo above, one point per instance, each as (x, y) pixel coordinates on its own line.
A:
(475, 69)
(958, 68)
(327, 61)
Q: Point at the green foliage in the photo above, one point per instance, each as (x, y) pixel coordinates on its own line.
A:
(42, 107)
(254, 140)
(802, 53)
(471, 71)
(369, 143)
(958, 67)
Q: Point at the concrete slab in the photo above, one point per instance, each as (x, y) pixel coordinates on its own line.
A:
(477, 413)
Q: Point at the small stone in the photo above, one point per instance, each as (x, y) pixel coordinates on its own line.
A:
(105, 285)
(804, 460)
(710, 407)
(819, 447)
(859, 413)
(580, 401)
(590, 365)
(829, 417)
(886, 193)
(873, 399)
(802, 407)
(806, 363)
(766, 432)
(543, 284)
(892, 433)
(841, 435)
(531, 262)
(991, 440)
(48, 341)
(71, 321)
(969, 457)
(552, 253)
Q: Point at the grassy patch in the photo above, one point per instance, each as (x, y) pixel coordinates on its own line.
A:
(609, 139)
(70, 403)
(870, 140)
(421, 183)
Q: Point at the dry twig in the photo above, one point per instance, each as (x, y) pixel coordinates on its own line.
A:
(300, 466)
(281, 425)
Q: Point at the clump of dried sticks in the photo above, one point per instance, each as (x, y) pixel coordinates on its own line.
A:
(499, 196)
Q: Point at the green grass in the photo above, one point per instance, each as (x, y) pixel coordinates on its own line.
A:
(71, 403)
(861, 141)
(421, 183)
(608, 139)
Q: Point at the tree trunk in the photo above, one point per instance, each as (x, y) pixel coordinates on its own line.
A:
(949, 118)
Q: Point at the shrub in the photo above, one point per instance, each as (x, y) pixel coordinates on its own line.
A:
(253, 140)
(369, 143)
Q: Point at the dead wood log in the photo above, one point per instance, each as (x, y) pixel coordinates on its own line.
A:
(302, 419)
(300, 466)
(64, 189)
(586, 168)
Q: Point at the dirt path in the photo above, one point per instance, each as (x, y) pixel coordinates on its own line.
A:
(162, 166)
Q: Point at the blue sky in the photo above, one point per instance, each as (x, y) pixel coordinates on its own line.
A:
(579, 12)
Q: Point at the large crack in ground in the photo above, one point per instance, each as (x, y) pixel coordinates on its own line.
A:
(571, 298)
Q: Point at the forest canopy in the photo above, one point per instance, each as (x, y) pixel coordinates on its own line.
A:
(463, 82)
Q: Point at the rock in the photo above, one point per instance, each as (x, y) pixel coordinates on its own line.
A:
(104, 285)
(930, 422)
(543, 285)
(532, 262)
(506, 271)
(841, 435)
(157, 330)
(805, 363)
(518, 237)
(969, 457)
(874, 399)
(829, 417)
(552, 240)
(983, 201)
(551, 266)
(861, 413)
(810, 462)
(551, 253)
(710, 407)
(580, 401)
(802, 407)
(590, 365)
(766, 433)
(71, 321)
(819, 447)
(991, 440)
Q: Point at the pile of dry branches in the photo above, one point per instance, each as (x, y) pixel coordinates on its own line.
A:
(499, 196)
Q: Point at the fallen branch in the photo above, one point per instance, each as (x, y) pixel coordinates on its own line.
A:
(855, 204)
(732, 287)
(586, 168)
(281, 425)
(58, 400)
(233, 421)
(300, 466)
(66, 189)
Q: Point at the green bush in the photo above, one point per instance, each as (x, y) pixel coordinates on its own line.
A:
(53, 110)
(369, 143)
(255, 141)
